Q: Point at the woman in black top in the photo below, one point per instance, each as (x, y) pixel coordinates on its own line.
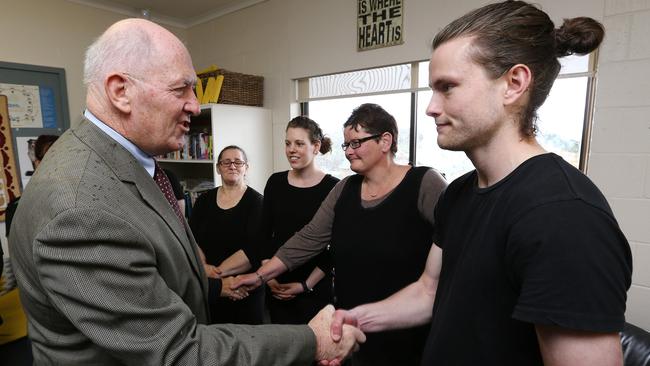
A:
(293, 198)
(224, 222)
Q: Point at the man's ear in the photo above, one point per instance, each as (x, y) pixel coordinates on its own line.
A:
(116, 90)
(518, 80)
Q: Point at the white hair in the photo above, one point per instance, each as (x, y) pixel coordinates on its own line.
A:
(124, 49)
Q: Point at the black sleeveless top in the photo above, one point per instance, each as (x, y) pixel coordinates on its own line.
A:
(377, 251)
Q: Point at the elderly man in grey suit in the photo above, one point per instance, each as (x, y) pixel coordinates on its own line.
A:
(109, 272)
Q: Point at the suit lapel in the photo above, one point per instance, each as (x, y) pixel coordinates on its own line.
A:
(129, 171)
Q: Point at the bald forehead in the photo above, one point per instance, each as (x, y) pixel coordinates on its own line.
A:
(158, 47)
(135, 24)
(159, 37)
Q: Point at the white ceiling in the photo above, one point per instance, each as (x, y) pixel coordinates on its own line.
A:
(178, 13)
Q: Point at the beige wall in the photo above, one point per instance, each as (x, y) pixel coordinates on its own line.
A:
(54, 33)
(620, 151)
(287, 39)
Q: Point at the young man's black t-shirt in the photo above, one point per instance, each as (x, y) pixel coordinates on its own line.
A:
(539, 247)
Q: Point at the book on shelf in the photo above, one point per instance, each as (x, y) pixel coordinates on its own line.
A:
(197, 146)
(193, 189)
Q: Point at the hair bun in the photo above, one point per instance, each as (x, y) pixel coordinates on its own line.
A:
(579, 35)
(325, 145)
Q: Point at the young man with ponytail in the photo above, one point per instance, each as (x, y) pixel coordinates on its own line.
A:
(530, 266)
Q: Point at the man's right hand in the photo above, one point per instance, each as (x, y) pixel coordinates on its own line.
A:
(329, 352)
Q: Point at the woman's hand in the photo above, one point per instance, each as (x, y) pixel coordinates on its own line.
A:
(236, 264)
(234, 295)
(285, 291)
(212, 271)
(274, 286)
(218, 271)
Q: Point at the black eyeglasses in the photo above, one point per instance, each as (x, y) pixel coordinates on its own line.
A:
(227, 163)
(357, 142)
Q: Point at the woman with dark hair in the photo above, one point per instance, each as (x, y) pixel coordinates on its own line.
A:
(379, 225)
(290, 200)
(224, 221)
(42, 144)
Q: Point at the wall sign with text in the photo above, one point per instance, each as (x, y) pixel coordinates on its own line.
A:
(379, 23)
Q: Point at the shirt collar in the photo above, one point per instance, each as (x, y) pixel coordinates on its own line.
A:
(142, 157)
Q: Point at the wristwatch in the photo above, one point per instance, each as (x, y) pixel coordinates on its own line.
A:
(306, 288)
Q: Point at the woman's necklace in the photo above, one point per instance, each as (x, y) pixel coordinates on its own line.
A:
(382, 186)
(372, 195)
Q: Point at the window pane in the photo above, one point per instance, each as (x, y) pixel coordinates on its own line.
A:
(452, 164)
(561, 118)
(574, 63)
(389, 78)
(331, 114)
(423, 74)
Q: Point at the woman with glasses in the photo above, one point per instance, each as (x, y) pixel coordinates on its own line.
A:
(224, 222)
(380, 226)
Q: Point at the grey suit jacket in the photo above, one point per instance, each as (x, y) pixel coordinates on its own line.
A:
(109, 276)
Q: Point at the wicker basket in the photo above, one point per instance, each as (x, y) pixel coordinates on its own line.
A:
(237, 88)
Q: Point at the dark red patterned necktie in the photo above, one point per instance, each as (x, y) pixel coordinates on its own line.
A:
(163, 183)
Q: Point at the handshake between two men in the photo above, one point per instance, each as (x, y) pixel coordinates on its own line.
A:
(337, 335)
